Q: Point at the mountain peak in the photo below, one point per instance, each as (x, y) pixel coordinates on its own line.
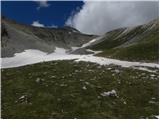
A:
(70, 29)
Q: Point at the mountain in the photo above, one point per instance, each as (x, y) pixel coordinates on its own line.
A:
(140, 43)
(19, 37)
(64, 85)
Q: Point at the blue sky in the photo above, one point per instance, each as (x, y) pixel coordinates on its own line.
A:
(87, 17)
(56, 13)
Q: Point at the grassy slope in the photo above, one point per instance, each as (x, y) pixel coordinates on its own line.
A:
(144, 49)
(55, 90)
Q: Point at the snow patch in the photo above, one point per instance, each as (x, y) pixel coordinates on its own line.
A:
(145, 69)
(92, 41)
(59, 51)
(32, 56)
(75, 48)
(95, 52)
(108, 61)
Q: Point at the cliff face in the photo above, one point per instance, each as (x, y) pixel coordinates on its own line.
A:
(19, 37)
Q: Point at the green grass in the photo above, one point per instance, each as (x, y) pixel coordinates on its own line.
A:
(56, 90)
(144, 48)
(115, 38)
(144, 51)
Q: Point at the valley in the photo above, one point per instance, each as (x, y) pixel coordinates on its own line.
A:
(63, 73)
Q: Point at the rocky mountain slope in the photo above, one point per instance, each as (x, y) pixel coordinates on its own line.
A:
(140, 43)
(19, 37)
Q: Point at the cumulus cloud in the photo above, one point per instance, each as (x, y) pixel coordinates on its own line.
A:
(37, 24)
(99, 17)
(42, 4)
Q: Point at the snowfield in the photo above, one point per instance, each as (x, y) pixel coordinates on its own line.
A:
(32, 56)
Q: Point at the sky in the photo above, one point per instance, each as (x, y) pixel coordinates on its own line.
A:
(47, 13)
(86, 16)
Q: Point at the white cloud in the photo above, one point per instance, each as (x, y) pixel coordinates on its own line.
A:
(100, 17)
(42, 4)
(37, 24)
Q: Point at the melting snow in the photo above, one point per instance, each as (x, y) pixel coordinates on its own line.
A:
(108, 61)
(92, 41)
(59, 51)
(95, 52)
(127, 30)
(32, 56)
(75, 48)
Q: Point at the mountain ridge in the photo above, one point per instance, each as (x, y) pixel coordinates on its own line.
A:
(19, 37)
(139, 43)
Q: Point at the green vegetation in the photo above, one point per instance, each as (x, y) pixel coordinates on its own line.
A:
(115, 38)
(67, 89)
(138, 44)
(146, 50)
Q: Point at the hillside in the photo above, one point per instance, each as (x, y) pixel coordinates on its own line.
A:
(19, 37)
(140, 43)
(68, 89)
